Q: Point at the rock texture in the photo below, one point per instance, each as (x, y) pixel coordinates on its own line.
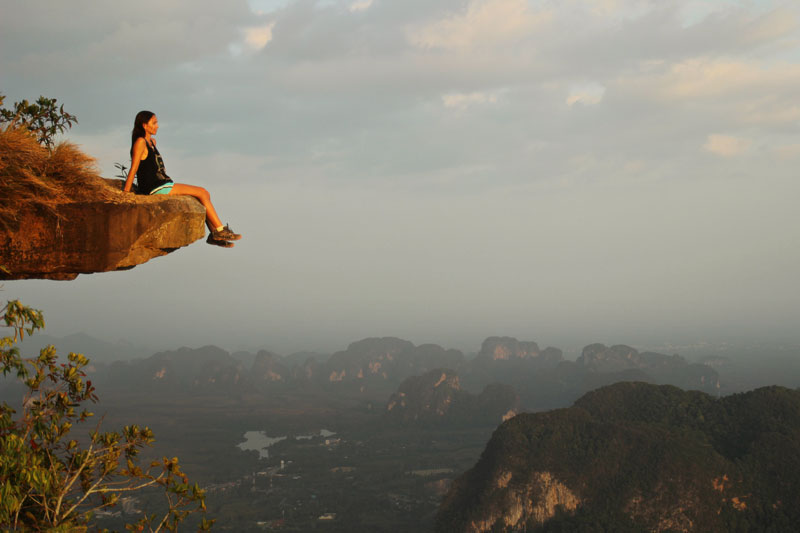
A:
(59, 218)
(671, 369)
(268, 367)
(506, 348)
(511, 355)
(638, 457)
(534, 500)
(208, 370)
(436, 398)
(84, 236)
(429, 395)
(386, 361)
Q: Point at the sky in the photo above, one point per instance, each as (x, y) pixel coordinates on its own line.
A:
(567, 172)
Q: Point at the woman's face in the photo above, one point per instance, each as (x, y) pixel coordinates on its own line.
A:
(151, 126)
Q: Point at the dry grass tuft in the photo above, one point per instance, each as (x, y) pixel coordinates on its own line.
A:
(33, 176)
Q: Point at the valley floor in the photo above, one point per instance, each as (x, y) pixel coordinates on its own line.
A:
(370, 476)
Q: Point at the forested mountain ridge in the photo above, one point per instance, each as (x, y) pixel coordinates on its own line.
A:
(436, 398)
(377, 366)
(638, 457)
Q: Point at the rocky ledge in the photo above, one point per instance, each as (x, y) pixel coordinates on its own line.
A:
(59, 218)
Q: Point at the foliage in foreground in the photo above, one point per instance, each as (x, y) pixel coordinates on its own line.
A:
(44, 118)
(51, 482)
(33, 177)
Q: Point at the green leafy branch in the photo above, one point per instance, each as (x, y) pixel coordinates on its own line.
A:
(44, 118)
(50, 482)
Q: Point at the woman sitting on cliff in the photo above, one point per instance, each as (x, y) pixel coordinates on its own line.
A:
(148, 167)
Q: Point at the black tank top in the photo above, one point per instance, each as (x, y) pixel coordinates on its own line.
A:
(147, 175)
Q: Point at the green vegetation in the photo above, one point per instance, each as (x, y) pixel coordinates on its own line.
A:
(644, 457)
(372, 475)
(34, 176)
(50, 481)
(661, 444)
(43, 118)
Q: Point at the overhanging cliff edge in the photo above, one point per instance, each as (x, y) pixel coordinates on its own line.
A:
(59, 218)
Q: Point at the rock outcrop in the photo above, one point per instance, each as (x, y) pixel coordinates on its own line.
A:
(386, 361)
(534, 500)
(509, 353)
(508, 348)
(268, 367)
(428, 396)
(59, 218)
(664, 369)
(638, 457)
(183, 371)
(436, 398)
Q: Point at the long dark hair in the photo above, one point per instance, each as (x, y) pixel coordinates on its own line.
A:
(142, 117)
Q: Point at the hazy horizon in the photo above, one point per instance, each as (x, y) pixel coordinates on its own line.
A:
(689, 348)
(616, 171)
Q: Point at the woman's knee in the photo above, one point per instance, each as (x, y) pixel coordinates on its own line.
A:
(192, 190)
(200, 193)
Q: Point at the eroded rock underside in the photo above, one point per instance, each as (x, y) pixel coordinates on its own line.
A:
(118, 231)
(60, 218)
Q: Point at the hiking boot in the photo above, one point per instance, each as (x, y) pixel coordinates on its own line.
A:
(225, 234)
(218, 242)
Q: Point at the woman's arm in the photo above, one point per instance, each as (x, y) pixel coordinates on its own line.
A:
(138, 150)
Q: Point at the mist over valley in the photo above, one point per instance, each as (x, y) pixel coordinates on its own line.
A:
(372, 437)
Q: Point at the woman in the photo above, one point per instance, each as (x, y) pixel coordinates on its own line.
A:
(147, 166)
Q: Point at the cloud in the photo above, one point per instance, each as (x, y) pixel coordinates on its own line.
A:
(617, 8)
(788, 151)
(586, 94)
(262, 7)
(360, 5)
(37, 42)
(726, 145)
(745, 91)
(771, 26)
(485, 22)
(709, 77)
(462, 101)
(258, 37)
(347, 107)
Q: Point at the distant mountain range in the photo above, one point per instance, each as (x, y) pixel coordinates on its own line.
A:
(99, 351)
(376, 367)
(641, 455)
(544, 380)
(638, 457)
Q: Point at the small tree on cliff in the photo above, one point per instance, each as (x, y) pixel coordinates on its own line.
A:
(48, 481)
(44, 118)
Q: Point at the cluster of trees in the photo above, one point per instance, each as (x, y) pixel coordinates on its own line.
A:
(49, 481)
(636, 455)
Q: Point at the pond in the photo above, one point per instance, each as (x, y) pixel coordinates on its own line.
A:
(260, 441)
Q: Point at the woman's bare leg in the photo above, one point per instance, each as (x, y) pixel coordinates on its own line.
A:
(212, 220)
